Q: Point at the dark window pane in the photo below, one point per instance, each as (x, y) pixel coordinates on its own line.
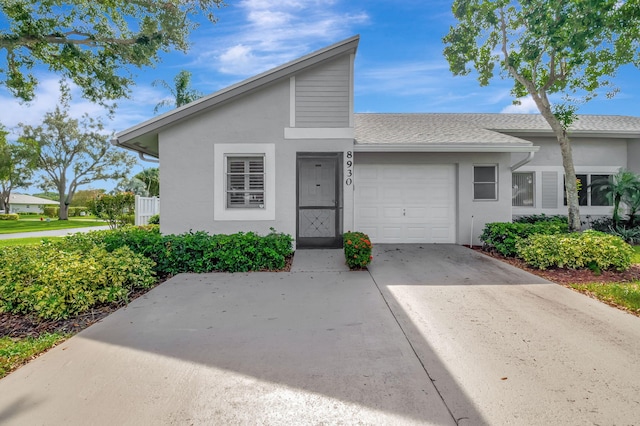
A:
(598, 190)
(484, 173)
(484, 191)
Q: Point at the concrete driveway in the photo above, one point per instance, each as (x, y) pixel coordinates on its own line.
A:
(430, 335)
(525, 351)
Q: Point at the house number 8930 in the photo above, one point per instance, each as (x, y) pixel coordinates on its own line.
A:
(349, 179)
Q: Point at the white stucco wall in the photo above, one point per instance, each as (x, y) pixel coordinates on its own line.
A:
(188, 163)
(482, 211)
(590, 155)
(633, 155)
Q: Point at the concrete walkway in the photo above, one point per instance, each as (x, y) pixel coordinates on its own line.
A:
(430, 335)
(52, 233)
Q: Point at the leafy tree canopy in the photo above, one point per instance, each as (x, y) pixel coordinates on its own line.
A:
(569, 47)
(92, 43)
(74, 152)
(18, 162)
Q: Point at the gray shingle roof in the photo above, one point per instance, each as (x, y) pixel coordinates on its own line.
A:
(476, 129)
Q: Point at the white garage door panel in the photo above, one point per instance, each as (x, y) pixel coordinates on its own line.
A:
(406, 203)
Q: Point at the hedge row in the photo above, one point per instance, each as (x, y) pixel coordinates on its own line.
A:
(9, 216)
(503, 236)
(193, 251)
(51, 211)
(545, 244)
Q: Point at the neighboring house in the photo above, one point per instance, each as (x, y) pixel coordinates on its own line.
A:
(20, 203)
(285, 150)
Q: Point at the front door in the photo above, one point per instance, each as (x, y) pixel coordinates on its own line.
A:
(319, 200)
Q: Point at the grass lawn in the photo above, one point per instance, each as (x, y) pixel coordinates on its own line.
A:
(626, 295)
(35, 225)
(25, 241)
(16, 352)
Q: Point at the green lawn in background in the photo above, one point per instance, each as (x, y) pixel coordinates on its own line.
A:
(35, 225)
(25, 241)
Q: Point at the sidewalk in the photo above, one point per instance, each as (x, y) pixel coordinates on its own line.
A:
(52, 233)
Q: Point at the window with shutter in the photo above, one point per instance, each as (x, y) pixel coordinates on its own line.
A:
(245, 182)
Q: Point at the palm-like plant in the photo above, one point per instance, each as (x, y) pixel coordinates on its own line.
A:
(182, 91)
(623, 187)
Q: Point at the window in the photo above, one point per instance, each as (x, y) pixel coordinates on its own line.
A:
(245, 182)
(485, 182)
(588, 192)
(523, 193)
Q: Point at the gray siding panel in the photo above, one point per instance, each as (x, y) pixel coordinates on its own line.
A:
(549, 190)
(322, 95)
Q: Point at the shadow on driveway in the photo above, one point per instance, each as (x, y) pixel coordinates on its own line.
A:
(259, 348)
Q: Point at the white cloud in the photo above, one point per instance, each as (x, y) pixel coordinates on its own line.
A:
(527, 106)
(272, 33)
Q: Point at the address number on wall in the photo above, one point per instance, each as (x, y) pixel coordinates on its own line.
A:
(349, 172)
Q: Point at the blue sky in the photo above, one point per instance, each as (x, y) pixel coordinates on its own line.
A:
(399, 64)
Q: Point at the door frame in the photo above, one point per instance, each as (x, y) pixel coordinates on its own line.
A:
(321, 242)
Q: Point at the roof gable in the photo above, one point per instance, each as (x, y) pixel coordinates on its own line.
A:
(143, 137)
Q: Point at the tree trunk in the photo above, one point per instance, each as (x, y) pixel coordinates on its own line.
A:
(63, 214)
(571, 187)
(570, 179)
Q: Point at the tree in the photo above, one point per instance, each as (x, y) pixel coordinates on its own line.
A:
(145, 184)
(92, 43)
(570, 47)
(181, 92)
(623, 187)
(18, 162)
(83, 197)
(74, 152)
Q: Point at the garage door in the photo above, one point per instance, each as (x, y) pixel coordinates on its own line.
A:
(406, 203)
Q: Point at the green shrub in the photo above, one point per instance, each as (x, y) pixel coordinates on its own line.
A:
(193, 251)
(589, 249)
(51, 211)
(115, 209)
(56, 284)
(154, 220)
(357, 249)
(77, 211)
(537, 218)
(9, 216)
(503, 236)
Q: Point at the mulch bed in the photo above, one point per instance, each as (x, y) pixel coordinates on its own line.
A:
(569, 276)
(20, 326)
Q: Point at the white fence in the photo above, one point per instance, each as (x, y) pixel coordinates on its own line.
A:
(145, 208)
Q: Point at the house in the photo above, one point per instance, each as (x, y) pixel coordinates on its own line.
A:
(20, 203)
(285, 150)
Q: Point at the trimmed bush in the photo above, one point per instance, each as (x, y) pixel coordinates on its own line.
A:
(51, 211)
(357, 249)
(589, 249)
(56, 284)
(9, 216)
(195, 251)
(77, 211)
(503, 236)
